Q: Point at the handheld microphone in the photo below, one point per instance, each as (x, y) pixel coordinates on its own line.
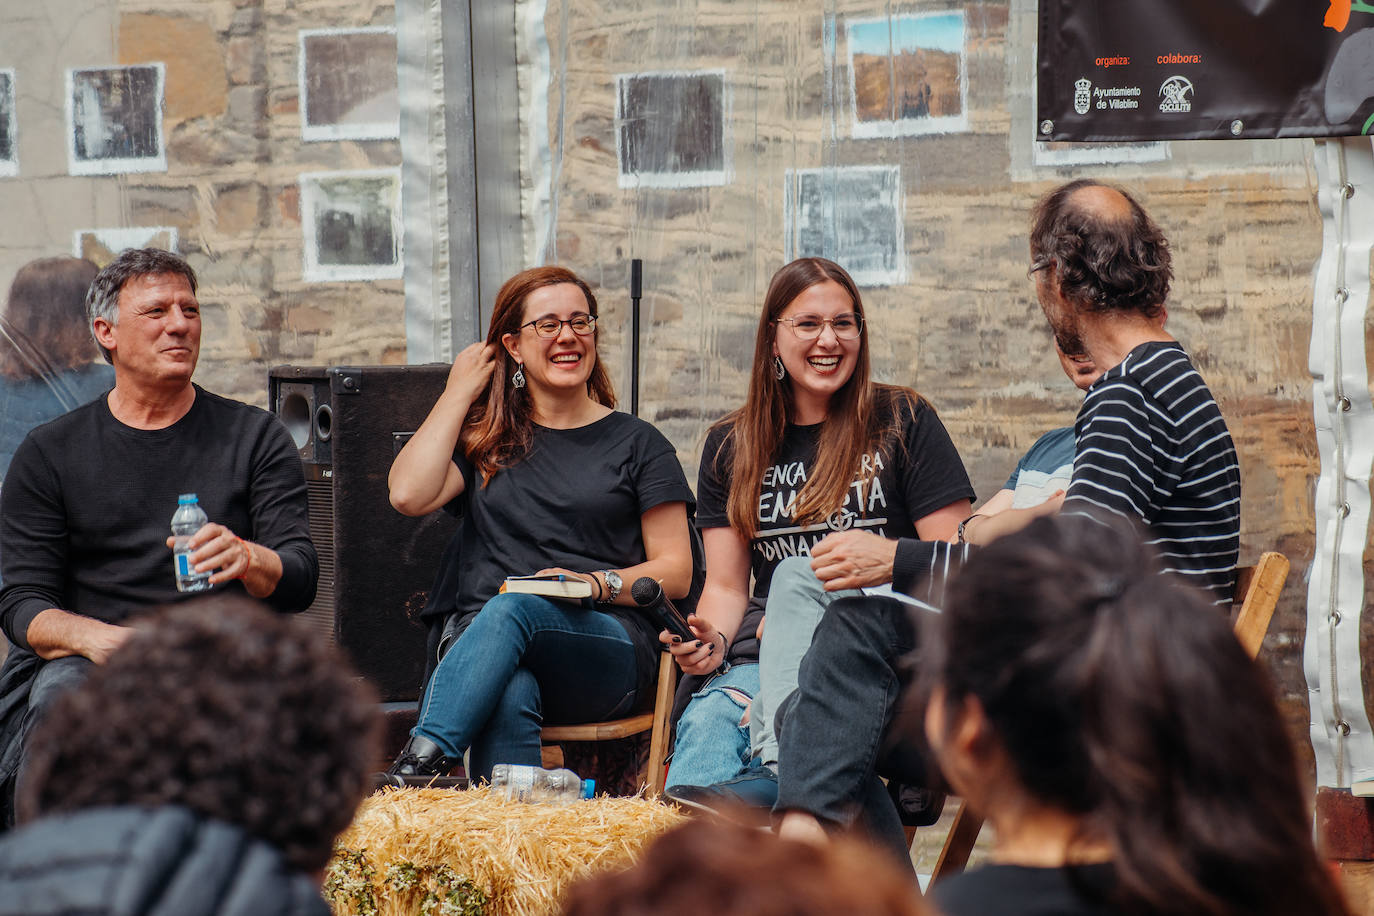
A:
(648, 594)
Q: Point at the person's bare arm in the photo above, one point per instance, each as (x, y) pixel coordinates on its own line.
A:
(984, 529)
(55, 633)
(423, 476)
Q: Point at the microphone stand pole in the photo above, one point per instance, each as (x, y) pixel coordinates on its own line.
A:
(636, 290)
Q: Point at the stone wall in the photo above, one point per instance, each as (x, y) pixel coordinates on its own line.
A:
(234, 152)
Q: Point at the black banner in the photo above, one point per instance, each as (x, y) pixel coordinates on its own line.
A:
(1205, 69)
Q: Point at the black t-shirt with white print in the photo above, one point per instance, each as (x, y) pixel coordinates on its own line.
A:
(918, 471)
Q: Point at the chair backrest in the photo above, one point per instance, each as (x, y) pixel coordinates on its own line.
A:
(1257, 594)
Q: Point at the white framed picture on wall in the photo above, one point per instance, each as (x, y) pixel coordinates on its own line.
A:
(351, 223)
(908, 74)
(671, 129)
(9, 127)
(850, 214)
(114, 120)
(348, 84)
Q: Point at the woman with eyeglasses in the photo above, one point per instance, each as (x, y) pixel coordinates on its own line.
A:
(803, 489)
(525, 444)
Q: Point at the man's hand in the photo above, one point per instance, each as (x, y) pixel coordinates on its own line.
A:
(56, 633)
(853, 559)
(215, 547)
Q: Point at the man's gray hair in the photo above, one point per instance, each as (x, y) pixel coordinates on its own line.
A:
(102, 301)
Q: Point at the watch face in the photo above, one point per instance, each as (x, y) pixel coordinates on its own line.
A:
(614, 582)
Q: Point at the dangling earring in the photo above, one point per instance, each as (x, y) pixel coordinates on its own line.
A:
(779, 371)
(518, 379)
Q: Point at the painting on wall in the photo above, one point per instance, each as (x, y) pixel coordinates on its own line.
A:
(114, 120)
(9, 141)
(908, 74)
(671, 129)
(352, 225)
(852, 215)
(348, 85)
(103, 245)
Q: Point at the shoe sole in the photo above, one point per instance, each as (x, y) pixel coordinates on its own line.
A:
(761, 819)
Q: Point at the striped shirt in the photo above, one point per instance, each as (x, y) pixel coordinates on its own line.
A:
(1152, 446)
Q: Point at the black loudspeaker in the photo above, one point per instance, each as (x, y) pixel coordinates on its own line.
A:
(376, 565)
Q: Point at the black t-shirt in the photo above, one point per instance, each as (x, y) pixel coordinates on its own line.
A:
(87, 507)
(1020, 890)
(919, 471)
(575, 501)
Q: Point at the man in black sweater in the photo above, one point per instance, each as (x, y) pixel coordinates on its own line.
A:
(86, 507)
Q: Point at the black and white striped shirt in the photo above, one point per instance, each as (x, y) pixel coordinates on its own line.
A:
(1152, 446)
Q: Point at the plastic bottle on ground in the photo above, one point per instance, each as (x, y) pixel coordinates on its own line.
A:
(536, 784)
(186, 521)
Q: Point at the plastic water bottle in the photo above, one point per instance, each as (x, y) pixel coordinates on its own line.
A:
(536, 784)
(186, 521)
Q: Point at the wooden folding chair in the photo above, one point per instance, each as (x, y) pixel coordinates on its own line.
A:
(1256, 596)
(655, 722)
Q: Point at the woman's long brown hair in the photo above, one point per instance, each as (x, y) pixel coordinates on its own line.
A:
(44, 325)
(498, 428)
(860, 413)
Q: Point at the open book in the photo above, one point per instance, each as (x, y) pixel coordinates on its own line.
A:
(555, 586)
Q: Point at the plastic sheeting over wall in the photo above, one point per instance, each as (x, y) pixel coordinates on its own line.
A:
(716, 140)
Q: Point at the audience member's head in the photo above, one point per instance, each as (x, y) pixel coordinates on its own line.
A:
(45, 318)
(1068, 674)
(709, 866)
(222, 707)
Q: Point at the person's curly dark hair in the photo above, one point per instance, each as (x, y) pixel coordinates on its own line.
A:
(222, 707)
(738, 871)
(1101, 260)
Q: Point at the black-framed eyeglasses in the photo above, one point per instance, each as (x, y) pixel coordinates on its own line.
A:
(847, 326)
(549, 326)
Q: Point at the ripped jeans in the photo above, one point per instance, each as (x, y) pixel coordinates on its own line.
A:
(712, 744)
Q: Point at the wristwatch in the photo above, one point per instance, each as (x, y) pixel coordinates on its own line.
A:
(613, 584)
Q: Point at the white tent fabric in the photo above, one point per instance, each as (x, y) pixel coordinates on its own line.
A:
(1341, 736)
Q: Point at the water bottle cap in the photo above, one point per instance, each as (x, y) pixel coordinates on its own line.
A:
(187, 499)
(588, 788)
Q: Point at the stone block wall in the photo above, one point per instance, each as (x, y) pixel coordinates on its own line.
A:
(234, 151)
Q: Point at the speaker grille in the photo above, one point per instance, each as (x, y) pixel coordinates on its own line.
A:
(320, 616)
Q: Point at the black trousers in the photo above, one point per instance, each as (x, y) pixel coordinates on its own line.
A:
(836, 732)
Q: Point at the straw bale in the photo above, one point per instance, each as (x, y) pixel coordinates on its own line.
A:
(414, 850)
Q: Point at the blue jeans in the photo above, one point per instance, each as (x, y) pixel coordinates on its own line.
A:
(712, 746)
(523, 661)
(53, 680)
(797, 601)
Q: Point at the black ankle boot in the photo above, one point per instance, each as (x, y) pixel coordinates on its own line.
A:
(421, 757)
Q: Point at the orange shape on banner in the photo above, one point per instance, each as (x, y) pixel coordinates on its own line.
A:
(1338, 16)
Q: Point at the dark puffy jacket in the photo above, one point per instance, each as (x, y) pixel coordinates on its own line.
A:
(147, 862)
